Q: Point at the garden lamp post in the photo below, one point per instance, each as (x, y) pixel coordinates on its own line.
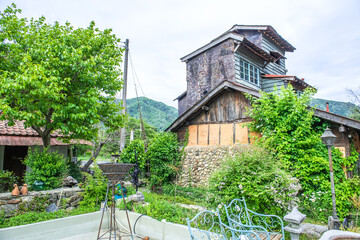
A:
(328, 139)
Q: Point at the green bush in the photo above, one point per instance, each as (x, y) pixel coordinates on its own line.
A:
(164, 156)
(255, 174)
(94, 188)
(128, 154)
(7, 180)
(73, 169)
(47, 167)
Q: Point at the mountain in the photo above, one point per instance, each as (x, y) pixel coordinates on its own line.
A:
(155, 113)
(340, 108)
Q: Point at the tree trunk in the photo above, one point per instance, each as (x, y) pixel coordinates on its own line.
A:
(46, 140)
(94, 155)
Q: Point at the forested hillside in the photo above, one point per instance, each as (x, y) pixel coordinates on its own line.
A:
(155, 113)
(340, 108)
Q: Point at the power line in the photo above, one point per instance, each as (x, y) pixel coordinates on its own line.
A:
(135, 75)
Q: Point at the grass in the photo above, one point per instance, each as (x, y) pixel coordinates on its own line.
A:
(99, 158)
(33, 217)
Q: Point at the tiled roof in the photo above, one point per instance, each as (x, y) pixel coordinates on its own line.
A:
(18, 135)
(18, 130)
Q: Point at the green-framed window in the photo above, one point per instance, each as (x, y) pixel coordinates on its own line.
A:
(249, 72)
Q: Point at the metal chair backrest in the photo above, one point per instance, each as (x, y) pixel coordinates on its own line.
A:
(237, 212)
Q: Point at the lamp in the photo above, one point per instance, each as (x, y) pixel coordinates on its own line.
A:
(328, 139)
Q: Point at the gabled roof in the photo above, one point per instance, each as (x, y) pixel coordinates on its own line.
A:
(268, 31)
(223, 86)
(232, 34)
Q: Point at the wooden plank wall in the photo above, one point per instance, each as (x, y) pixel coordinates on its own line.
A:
(219, 134)
(273, 68)
(229, 107)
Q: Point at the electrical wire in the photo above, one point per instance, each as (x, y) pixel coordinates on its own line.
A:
(135, 76)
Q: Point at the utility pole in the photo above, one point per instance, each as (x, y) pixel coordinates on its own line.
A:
(122, 130)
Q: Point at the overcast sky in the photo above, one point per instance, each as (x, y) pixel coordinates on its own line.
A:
(325, 33)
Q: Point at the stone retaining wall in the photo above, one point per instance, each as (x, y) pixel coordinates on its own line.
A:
(201, 161)
(72, 196)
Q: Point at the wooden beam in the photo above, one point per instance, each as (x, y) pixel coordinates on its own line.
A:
(337, 119)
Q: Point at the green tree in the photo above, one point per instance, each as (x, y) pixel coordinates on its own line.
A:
(58, 78)
(135, 151)
(131, 124)
(164, 156)
(286, 123)
(289, 128)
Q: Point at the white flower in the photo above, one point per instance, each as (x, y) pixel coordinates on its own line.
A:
(219, 206)
(240, 186)
(164, 220)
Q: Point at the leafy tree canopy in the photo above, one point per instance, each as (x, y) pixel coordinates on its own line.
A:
(58, 78)
(285, 123)
(289, 128)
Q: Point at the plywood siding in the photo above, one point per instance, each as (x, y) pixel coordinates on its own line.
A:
(241, 133)
(218, 134)
(226, 134)
(203, 135)
(193, 135)
(214, 134)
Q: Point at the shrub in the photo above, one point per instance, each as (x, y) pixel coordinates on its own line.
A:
(7, 180)
(164, 156)
(128, 154)
(74, 170)
(94, 188)
(47, 167)
(255, 174)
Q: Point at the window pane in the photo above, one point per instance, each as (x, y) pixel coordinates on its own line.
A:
(249, 72)
(246, 67)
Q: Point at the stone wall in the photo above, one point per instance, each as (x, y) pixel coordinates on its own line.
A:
(206, 71)
(72, 198)
(201, 161)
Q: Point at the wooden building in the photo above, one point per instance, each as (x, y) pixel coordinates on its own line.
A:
(243, 60)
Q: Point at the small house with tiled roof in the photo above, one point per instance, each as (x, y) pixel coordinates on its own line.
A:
(246, 59)
(15, 142)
